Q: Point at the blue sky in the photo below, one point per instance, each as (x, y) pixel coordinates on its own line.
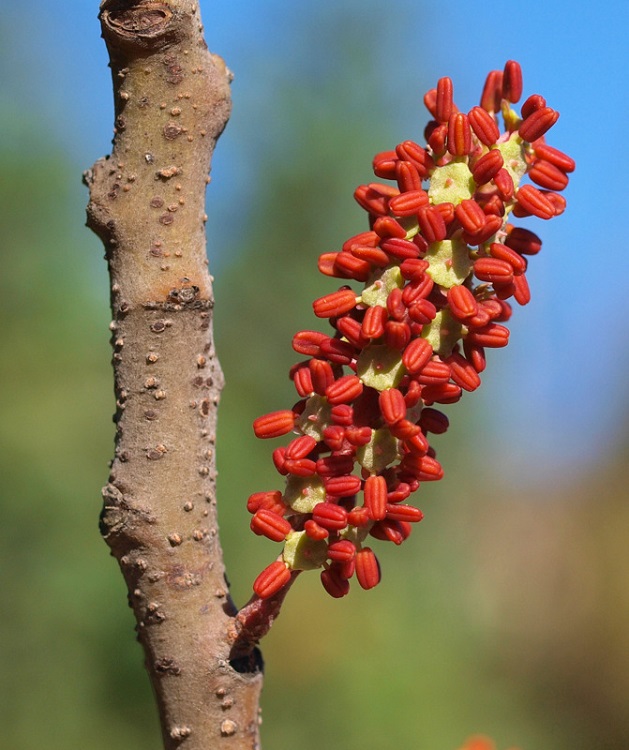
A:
(559, 389)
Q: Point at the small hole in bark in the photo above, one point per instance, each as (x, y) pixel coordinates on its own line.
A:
(249, 664)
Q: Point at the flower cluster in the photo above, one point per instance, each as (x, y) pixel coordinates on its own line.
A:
(438, 265)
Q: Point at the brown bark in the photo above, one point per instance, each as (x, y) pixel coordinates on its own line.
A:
(172, 101)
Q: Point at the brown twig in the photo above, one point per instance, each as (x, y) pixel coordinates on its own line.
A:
(172, 101)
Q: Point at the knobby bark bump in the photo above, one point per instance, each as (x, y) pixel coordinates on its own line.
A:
(172, 101)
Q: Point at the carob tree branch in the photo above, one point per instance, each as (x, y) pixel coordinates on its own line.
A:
(172, 101)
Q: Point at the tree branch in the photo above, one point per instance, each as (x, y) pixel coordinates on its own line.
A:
(172, 102)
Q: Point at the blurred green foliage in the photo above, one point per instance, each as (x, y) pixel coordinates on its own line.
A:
(431, 655)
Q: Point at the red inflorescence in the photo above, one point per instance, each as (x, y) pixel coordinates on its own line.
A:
(438, 264)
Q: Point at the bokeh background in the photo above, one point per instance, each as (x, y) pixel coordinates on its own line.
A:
(507, 612)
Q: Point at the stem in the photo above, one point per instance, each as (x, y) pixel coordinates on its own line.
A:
(172, 102)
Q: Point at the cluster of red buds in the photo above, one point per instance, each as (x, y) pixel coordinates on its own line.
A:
(438, 266)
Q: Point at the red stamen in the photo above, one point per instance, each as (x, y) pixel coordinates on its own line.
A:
(554, 156)
(547, 175)
(418, 156)
(407, 176)
(492, 335)
(396, 334)
(459, 135)
(408, 204)
(300, 447)
(443, 393)
(272, 579)
(432, 225)
(376, 497)
(522, 292)
(392, 405)
(535, 202)
(462, 302)
(334, 466)
(271, 525)
(502, 252)
(484, 126)
(422, 311)
(470, 216)
(367, 568)
(335, 586)
(504, 182)
(322, 377)
(434, 372)
(399, 248)
(374, 197)
(329, 516)
(532, 104)
(416, 355)
(269, 500)
(443, 105)
(437, 137)
(463, 372)
(512, 82)
(492, 92)
(345, 389)
(493, 269)
(335, 304)
(342, 551)
(384, 165)
(523, 241)
(314, 531)
(538, 123)
(342, 352)
(430, 102)
(369, 239)
(406, 513)
(274, 424)
(303, 381)
(433, 421)
(475, 354)
(373, 255)
(387, 226)
(487, 167)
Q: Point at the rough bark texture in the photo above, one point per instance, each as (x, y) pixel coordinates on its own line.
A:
(172, 101)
